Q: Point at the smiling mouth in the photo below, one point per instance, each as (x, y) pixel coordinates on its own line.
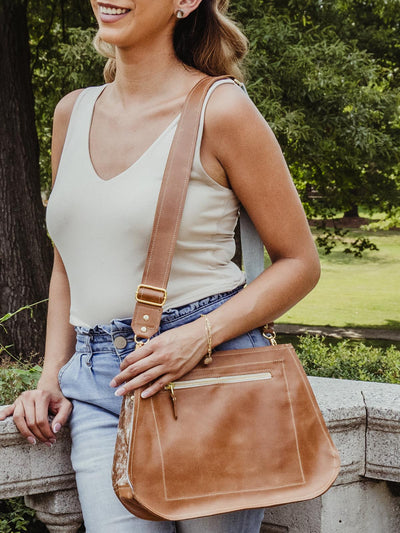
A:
(109, 9)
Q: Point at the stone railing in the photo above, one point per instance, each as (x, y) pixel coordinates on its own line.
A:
(363, 418)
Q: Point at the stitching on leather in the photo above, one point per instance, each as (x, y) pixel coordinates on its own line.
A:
(293, 422)
(208, 374)
(182, 200)
(313, 400)
(132, 441)
(162, 203)
(298, 483)
(187, 178)
(160, 447)
(234, 492)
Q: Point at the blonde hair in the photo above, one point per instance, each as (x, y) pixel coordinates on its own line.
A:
(206, 40)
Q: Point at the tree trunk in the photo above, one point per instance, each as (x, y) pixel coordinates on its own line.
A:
(352, 212)
(25, 250)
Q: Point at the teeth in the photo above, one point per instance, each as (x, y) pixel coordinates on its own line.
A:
(112, 10)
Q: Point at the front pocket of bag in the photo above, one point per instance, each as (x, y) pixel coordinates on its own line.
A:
(221, 427)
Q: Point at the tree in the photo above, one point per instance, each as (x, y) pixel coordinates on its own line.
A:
(25, 259)
(327, 85)
(323, 72)
(63, 59)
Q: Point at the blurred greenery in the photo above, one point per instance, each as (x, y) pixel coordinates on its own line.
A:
(324, 75)
(349, 360)
(16, 377)
(15, 517)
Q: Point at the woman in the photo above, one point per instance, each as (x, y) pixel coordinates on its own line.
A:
(110, 146)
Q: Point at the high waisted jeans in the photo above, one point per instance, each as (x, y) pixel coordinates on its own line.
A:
(85, 380)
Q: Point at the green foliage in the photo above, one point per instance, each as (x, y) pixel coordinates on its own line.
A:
(360, 245)
(331, 237)
(7, 316)
(325, 75)
(327, 81)
(347, 360)
(390, 221)
(63, 59)
(15, 517)
(17, 377)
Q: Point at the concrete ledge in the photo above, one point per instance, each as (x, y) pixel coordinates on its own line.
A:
(27, 469)
(364, 421)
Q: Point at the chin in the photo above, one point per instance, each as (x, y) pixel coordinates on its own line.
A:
(112, 37)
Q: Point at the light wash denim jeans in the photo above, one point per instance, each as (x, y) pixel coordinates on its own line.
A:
(94, 420)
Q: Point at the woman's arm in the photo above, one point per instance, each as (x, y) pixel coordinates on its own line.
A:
(31, 409)
(242, 149)
(239, 150)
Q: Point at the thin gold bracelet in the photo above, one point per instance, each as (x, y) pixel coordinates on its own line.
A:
(208, 358)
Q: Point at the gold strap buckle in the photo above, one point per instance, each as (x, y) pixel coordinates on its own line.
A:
(143, 301)
(268, 332)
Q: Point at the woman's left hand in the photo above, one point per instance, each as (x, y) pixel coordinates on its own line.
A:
(164, 358)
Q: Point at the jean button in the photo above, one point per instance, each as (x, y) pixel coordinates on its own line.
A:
(120, 343)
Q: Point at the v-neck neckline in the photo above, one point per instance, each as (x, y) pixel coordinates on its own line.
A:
(138, 160)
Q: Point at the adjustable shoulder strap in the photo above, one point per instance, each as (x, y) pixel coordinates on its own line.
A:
(151, 294)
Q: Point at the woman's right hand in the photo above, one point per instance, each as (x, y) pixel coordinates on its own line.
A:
(31, 411)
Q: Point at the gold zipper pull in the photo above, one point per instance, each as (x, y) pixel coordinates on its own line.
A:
(170, 387)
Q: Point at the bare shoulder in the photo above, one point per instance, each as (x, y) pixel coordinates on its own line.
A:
(229, 106)
(62, 115)
(63, 109)
(234, 129)
(232, 119)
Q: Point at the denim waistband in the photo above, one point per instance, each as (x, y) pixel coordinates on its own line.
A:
(170, 318)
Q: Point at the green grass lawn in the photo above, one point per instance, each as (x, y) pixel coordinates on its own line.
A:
(354, 292)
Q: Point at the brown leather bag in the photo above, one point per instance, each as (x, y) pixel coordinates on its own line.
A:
(244, 432)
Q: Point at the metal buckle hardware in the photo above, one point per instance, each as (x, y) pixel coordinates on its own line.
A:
(142, 301)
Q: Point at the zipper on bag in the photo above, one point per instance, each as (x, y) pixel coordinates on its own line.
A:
(218, 380)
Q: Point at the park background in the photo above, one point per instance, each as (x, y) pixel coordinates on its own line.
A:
(326, 76)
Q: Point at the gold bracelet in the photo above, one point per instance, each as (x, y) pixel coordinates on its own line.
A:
(208, 358)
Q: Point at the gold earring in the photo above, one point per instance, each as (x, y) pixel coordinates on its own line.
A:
(180, 14)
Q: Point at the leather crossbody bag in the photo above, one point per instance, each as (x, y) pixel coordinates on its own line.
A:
(245, 431)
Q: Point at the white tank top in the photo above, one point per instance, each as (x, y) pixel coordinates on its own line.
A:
(102, 228)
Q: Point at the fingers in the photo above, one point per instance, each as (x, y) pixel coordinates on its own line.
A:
(19, 420)
(31, 415)
(141, 380)
(137, 355)
(62, 416)
(157, 386)
(134, 370)
(163, 359)
(7, 411)
(34, 420)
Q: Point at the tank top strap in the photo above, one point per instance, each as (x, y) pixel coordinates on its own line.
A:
(81, 117)
(201, 125)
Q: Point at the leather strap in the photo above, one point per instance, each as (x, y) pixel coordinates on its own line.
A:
(151, 293)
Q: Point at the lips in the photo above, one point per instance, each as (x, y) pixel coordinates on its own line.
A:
(112, 13)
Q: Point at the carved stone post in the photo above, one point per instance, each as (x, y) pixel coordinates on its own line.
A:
(59, 511)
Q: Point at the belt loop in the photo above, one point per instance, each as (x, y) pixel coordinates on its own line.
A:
(89, 341)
